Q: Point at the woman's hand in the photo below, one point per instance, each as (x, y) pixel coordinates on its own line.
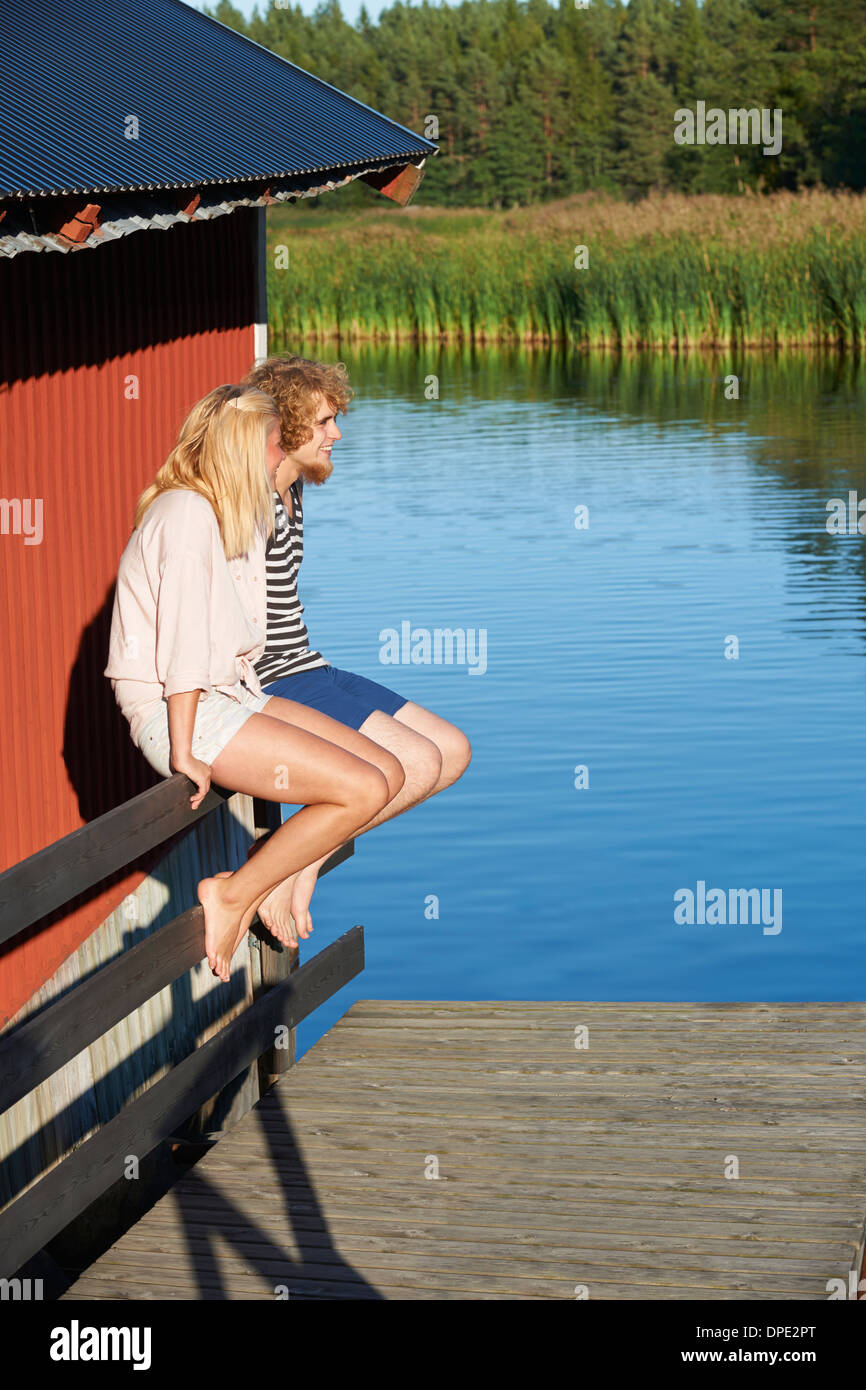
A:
(197, 772)
(181, 722)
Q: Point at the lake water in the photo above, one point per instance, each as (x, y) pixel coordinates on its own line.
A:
(608, 647)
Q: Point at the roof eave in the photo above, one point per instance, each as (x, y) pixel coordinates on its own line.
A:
(64, 224)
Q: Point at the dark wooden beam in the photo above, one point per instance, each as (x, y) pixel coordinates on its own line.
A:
(40, 1213)
(45, 1043)
(55, 875)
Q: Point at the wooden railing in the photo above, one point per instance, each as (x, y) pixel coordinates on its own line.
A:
(40, 1046)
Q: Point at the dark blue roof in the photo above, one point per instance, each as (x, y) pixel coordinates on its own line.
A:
(212, 107)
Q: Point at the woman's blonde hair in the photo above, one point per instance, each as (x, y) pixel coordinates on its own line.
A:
(220, 454)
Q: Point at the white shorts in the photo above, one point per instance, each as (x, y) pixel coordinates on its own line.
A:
(217, 719)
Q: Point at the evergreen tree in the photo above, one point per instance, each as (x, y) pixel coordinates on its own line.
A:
(537, 100)
(645, 104)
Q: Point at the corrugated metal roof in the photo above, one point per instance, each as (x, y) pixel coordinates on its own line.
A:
(211, 106)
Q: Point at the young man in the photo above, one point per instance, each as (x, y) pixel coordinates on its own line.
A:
(372, 721)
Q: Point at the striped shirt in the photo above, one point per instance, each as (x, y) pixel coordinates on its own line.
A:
(287, 649)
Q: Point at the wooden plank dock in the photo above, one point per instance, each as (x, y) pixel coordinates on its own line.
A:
(597, 1163)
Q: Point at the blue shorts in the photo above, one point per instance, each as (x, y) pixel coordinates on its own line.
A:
(341, 694)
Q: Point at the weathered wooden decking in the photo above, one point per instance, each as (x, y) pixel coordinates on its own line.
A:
(561, 1169)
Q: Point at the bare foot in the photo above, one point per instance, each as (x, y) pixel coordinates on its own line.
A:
(302, 893)
(275, 912)
(286, 909)
(223, 931)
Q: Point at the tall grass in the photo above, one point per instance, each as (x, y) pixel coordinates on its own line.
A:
(784, 270)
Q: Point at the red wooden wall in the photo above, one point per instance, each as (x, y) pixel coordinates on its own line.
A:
(175, 311)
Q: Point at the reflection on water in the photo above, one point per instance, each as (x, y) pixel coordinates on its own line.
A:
(706, 501)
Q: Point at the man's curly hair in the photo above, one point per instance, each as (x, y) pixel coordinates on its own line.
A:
(293, 383)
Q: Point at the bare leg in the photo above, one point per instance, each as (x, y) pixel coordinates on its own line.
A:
(411, 766)
(338, 793)
(432, 754)
(453, 745)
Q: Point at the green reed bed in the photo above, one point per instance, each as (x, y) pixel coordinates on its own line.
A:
(780, 271)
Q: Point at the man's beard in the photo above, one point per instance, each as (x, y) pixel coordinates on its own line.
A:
(316, 472)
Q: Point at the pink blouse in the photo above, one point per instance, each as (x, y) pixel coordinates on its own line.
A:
(185, 617)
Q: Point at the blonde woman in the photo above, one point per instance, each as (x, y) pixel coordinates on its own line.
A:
(189, 622)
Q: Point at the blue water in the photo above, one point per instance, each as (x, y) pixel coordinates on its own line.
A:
(606, 649)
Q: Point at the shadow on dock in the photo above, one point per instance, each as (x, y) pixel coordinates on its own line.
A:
(208, 1217)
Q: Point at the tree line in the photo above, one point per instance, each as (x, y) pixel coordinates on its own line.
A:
(535, 102)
